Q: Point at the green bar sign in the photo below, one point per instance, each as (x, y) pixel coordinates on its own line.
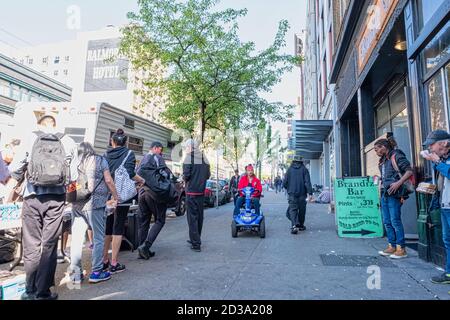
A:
(358, 208)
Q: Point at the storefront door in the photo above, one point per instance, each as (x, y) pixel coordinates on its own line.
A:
(392, 116)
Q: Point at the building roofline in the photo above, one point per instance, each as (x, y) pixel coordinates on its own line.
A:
(36, 75)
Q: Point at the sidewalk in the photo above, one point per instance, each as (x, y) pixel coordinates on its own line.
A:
(281, 266)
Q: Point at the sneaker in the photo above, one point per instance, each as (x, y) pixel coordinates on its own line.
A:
(442, 279)
(387, 252)
(106, 266)
(400, 253)
(294, 230)
(97, 277)
(117, 268)
(301, 228)
(145, 253)
(28, 296)
(196, 248)
(189, 242)
(51, 296)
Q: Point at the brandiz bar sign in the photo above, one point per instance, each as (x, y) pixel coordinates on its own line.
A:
(106, 69)
(378, 15)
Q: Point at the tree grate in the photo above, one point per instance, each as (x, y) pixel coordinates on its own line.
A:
(333, 260)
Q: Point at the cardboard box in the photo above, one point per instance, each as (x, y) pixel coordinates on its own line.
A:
(12, 287)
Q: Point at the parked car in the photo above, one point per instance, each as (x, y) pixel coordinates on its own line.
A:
(225, 184)
(211, 193)
(179, 206)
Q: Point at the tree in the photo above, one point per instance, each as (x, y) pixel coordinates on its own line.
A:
(210, 74)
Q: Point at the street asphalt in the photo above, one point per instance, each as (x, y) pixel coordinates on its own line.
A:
(281, 266)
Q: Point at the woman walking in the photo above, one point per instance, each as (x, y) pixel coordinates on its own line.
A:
(90, 213)
(395, 170)
(115, 223)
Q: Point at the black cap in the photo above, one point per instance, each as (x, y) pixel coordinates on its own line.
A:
(435, 136)
(156, 144)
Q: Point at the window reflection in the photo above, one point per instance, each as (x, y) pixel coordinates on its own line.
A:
(426, 9)
(437, 49)
(436, 102)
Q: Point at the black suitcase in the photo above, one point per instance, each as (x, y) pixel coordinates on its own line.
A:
(131, 238)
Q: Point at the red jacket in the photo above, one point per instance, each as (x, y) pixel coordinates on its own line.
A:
(256, 184)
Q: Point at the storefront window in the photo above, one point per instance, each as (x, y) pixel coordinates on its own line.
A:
(438, 49)
(426, 9)
(392, 116)
(434, 88)
(397, 101)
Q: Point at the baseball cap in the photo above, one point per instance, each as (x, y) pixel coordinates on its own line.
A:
(156, 144)
(436, 136)
(297, 158)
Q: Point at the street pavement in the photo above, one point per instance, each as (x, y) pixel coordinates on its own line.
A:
(281, 266)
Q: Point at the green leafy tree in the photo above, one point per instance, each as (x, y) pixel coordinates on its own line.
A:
(210, 73)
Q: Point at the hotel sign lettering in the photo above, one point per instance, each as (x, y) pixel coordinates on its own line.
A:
(106, 68)
(378, 15)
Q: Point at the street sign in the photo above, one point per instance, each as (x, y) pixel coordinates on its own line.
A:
(358, 208)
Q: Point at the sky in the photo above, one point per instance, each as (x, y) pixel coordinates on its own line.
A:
(24, 23)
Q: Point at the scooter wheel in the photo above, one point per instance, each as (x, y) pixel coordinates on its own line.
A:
(234, 232)
(262, 228)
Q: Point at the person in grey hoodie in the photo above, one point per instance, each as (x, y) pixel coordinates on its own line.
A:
(297, 182)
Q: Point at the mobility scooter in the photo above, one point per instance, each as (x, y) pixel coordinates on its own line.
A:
(247, 219)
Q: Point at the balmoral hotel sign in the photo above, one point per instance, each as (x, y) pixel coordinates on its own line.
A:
(378, 15)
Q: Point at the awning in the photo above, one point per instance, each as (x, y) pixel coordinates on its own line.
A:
(308, 137)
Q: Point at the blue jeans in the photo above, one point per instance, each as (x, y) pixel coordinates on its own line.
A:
(445, 216)
(240, 202)
(80, 221)
(392, 210)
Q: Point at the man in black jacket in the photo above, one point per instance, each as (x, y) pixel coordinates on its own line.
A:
(148, 205)
(298, 185)
(196, 172)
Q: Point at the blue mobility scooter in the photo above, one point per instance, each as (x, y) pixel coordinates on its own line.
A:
(247, 219)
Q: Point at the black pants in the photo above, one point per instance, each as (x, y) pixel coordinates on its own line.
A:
(148, 208)
(42, 221)
(195, 207)
(297, 210)
(115, 223)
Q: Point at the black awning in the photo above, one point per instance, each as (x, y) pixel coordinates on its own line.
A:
(308, 137)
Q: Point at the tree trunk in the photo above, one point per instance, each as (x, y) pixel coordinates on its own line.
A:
(203, 121)
(236, 152)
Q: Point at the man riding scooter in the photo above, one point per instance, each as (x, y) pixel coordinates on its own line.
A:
(249, 180)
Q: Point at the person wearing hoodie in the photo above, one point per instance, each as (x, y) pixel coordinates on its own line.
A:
(297, 182)
(395, 170)
(196, 172)
(115, 223)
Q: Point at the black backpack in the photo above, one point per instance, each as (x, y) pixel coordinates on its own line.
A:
(158, 183)
(48, 166)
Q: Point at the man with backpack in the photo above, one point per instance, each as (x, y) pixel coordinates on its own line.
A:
(51, 165)
(150, 204)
